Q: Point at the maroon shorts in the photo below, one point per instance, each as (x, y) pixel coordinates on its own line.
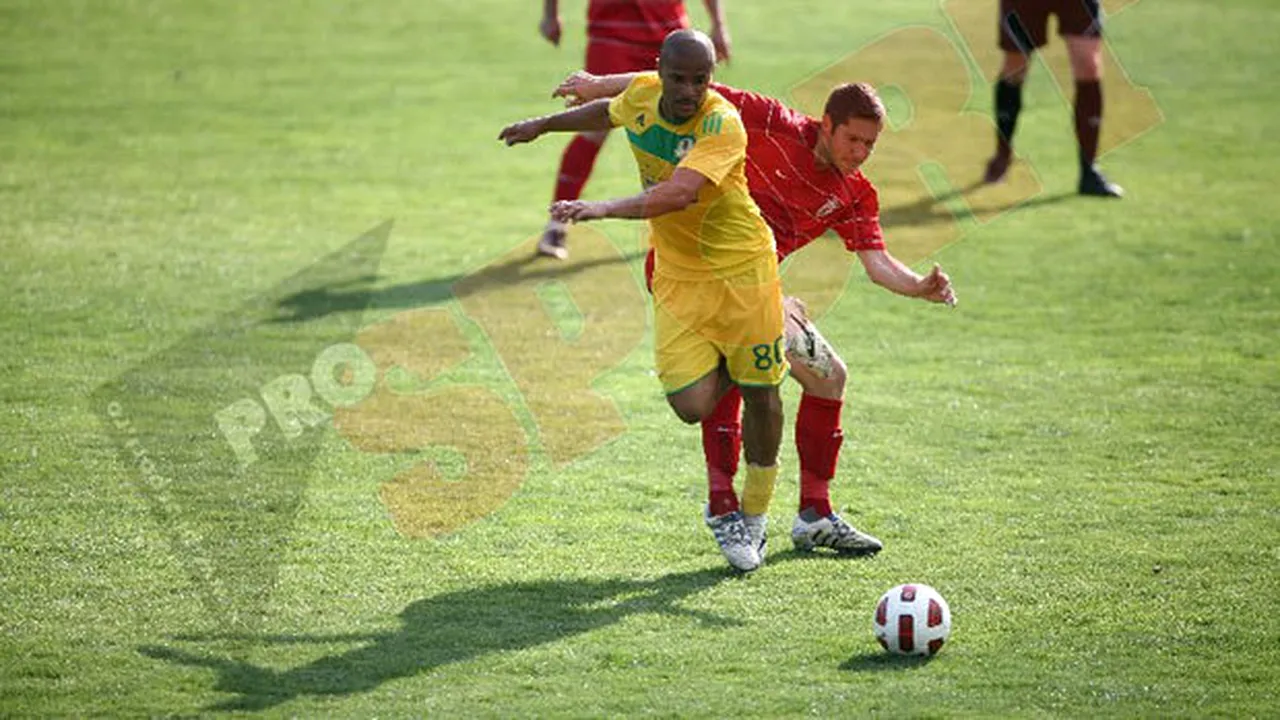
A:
(1024, 24)
(606, 57)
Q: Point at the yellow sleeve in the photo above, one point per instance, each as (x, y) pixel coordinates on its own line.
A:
(618, 110)
(621, 107)
(720, 143)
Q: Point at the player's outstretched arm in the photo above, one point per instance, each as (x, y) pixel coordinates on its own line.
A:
(671, 195)
(592, 116)
(583, 87)
(888, 272)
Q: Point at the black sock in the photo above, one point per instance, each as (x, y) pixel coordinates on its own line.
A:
(1088, 120)
(1008, 105)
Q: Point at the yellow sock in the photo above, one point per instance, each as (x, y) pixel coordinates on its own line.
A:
(757, 491)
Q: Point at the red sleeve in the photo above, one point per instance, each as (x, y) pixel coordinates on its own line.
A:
(859, 225)
(759, 112)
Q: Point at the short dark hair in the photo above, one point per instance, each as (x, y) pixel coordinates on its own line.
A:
(854, 100)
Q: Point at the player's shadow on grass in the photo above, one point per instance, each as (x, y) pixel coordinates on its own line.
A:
(448, 628)
(930, 209)
(354, 295)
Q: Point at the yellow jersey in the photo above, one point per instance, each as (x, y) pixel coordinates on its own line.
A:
(722, 235)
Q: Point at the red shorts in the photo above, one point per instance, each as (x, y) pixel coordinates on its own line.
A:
(606, 57)
(1024, 24)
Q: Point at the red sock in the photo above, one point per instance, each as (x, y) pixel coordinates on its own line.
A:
(818, 440)
(575, 167)
(722, 446)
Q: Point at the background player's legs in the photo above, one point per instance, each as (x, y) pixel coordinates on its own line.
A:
(1086, 67)
(575, 167)
(1008, 104)
(1024, 26)
(576, 163)
(604, 57)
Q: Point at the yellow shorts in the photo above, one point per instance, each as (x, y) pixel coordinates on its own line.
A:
(699, 323)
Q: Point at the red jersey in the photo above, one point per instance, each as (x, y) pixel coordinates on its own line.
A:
(635, 22)
(798, 198)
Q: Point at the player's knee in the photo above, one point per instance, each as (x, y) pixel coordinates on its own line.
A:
(1087, 71)
(689, 417)
(1014, 69)
(830, 386)
(688, 409)
(1086, 68)
(1085, 54)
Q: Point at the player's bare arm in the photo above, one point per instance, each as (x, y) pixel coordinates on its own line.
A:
(592, 116)
(583, 87)
(719, 31)
(888, 272)
(549, 27)
(671, 195)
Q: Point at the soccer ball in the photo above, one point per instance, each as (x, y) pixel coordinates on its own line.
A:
(912, 619)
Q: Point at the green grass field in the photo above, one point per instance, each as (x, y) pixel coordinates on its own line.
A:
(488, 510)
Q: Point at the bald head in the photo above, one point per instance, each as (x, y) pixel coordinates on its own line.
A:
(685, 66)
(688, 46)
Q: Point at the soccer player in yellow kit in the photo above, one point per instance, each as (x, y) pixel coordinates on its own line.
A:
(718, 316)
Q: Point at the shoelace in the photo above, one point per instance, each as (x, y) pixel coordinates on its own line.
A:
(735, 531)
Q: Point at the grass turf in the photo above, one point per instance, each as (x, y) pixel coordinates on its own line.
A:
(192, 204)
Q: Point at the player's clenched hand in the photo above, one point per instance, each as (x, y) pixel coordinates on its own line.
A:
(578, 88)
(576, 210)
(550, 29)
(936, 287)
(722, 43)
(521, 132)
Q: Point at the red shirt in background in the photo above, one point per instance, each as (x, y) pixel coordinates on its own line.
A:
(634, 22)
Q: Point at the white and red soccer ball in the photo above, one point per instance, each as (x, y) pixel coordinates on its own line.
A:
(912, 619)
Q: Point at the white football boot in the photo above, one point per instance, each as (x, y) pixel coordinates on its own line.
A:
(734, 539)
(833, 532)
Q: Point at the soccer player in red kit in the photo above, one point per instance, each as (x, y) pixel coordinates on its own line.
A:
(622, 36)
(803, 174)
